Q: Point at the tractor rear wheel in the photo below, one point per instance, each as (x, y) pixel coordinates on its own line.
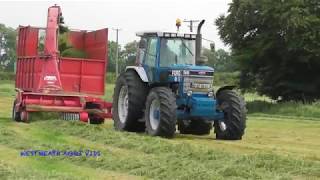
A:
(160, 114)
(194, 126)
(128, 102)
(234, 124)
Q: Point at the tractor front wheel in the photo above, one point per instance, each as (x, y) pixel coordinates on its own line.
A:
(160, 114)
(234, 123)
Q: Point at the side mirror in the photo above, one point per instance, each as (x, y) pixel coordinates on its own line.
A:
(202, 60)
(142, 44)
(131, 57)
(212, 47)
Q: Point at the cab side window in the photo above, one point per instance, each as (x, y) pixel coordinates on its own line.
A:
(151, 53)
(141, 52)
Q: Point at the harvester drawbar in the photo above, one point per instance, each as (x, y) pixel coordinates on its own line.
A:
(46, 81)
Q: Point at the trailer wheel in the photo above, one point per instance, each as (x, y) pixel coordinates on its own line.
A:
(234, 123)
(129, 102)
(25, 116)
(194, 126)
(160, 112)
(15, 115)
(95, 120)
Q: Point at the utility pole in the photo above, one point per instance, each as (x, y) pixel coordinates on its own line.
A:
(191, 22)
(117, 50)
(1, 44)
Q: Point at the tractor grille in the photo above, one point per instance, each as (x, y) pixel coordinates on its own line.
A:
(198, 84)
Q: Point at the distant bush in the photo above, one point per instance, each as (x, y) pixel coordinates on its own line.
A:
(7, 75)
(292, 108)
(111, 78)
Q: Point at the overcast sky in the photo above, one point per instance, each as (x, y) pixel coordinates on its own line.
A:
(130, 15)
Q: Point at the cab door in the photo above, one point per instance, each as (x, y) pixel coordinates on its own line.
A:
(150, 58)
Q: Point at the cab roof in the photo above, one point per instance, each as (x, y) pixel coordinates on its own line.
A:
(166, 34)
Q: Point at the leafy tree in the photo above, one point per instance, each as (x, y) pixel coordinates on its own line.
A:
(130, 50)
(277, 44)
(7, 47)
(112, 46)
(225, 63)
(126, 55)
(129, 54)
(211, 56)
(221, 60)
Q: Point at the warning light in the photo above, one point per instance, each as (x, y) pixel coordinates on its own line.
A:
(178, 23)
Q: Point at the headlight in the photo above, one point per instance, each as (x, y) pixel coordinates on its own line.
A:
(210, 94)
(189, 93)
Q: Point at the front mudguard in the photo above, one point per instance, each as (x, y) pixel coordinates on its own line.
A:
(224, 88)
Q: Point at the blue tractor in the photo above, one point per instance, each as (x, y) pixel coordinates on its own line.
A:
(170, 87)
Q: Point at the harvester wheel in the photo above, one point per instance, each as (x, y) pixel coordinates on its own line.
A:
(95, 120)
(129, 102)
(194, 126)
(160, 112)
(15, 115)
(25, 116)
(234, 124)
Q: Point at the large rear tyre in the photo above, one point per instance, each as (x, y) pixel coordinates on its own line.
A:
(194, 126)
(234, 124)
(129, 102)
(160, 115)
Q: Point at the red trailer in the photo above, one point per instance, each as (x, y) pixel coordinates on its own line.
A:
(45, 81)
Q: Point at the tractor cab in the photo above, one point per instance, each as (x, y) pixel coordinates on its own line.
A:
(170, 58)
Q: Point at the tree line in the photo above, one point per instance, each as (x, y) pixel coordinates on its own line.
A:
(7, 47)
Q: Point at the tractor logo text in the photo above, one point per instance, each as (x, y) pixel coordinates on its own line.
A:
(50, 78)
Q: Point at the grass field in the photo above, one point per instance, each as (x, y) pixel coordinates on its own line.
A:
(277, 145)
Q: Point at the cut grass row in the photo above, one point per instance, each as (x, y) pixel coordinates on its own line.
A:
(272, 148)
(144, 156)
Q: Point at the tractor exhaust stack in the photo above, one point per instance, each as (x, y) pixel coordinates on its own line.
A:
(199, 60)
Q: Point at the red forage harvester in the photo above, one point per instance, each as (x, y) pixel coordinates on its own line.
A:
(46, 81)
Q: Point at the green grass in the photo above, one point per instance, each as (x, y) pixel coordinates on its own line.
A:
(108, 92)
(7, 88)
(249, 97)
(272, 148)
